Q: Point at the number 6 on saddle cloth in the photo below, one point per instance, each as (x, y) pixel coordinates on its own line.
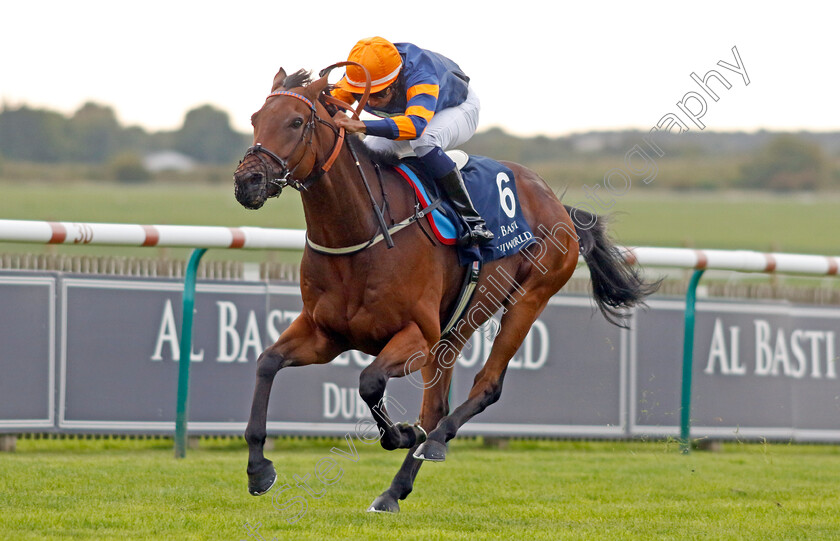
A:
(492, 188)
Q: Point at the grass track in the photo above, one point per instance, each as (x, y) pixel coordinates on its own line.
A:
(111, 489)
(727, 220)
(731, 221)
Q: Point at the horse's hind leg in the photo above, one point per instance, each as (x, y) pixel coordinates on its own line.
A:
(487, 386)
(435, 406)
(301, 344)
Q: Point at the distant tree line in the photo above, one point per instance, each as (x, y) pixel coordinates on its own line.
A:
(616, 143)
(93, 135)
(759, 160)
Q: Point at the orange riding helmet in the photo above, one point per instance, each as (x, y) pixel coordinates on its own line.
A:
(381, 59)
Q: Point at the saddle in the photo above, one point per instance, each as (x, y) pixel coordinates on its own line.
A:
(492, 188)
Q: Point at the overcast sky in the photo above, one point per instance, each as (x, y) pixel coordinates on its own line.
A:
(540, 67)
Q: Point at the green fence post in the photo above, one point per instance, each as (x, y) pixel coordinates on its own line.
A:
(186, 350)
(688, 361)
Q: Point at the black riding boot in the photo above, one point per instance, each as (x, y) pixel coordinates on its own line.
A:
(453, 185)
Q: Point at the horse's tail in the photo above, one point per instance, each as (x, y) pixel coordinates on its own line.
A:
(616, 285)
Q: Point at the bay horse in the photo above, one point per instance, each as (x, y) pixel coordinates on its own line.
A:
(389, 301)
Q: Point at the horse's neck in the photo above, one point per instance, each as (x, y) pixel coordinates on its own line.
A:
(337, 207)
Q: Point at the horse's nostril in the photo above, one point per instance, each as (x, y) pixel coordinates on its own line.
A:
(249, 176)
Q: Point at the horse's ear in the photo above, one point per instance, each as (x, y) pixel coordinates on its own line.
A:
(278, 80)
(314, 89)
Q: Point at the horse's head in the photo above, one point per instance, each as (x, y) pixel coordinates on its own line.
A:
(284, 128)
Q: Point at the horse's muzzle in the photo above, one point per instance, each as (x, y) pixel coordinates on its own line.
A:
(249, 188)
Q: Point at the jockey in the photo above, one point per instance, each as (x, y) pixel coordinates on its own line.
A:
(425, 105)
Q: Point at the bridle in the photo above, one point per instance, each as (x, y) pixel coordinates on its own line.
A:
(285, 179)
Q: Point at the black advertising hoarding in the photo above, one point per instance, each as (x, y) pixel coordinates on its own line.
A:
(88, 354)
(761, 370)
(568, 377)
(119, 363)
(27, 351)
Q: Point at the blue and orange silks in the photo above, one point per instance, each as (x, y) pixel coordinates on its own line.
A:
(428, 82)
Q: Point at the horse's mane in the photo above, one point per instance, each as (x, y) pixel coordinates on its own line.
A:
(301, 77)
(376, 156)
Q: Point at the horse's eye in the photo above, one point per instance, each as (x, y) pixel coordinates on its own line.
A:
(297, 123)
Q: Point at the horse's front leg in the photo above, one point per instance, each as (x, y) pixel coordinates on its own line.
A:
(407, 344)
(301, 344)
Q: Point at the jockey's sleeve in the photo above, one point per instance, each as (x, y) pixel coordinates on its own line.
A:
(421, 100)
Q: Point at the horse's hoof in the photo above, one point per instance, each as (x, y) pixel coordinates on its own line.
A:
(262, 480)
(419, 434)
(431, 450)
(415, 433)
(384, 503)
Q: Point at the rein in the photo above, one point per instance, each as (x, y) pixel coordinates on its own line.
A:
(286, 173)
(260, 152)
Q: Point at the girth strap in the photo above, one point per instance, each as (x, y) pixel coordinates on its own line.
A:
(464, 297)
(356, 248)
(348, 250)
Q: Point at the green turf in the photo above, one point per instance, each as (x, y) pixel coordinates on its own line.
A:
(200, 204)
(89, 489)
(730, 221)
(757, 221)
(178, 204)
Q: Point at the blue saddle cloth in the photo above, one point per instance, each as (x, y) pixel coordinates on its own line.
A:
(492, 188)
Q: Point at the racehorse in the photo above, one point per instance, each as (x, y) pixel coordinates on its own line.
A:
(388, 299)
